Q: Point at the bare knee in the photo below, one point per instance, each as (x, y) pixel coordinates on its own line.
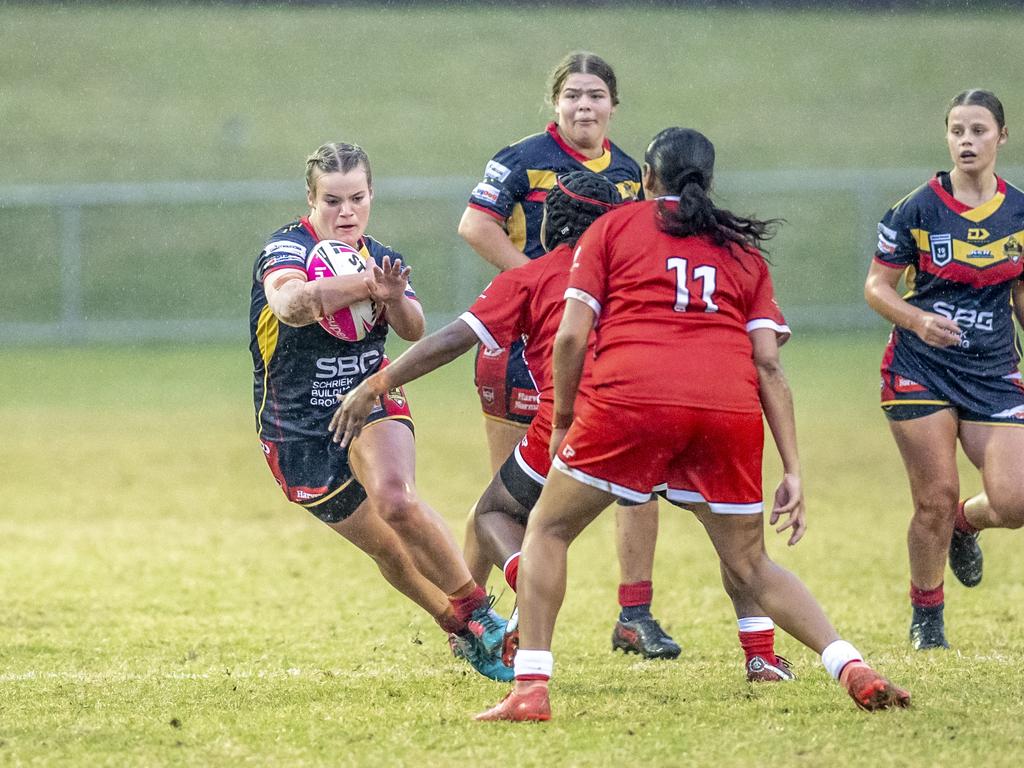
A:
(397, 506)
(936, 507)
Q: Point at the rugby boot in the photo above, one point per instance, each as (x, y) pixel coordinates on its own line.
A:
(466, 645)
(869, 690)
(646, 637)
(510, 643)
(760, 670)
(526, 702)
(928, 629)
(486, 624)
(965, 558)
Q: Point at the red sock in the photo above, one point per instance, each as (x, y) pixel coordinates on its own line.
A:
(464, 606)
(637, 593)
(511, 570)
(449, 622)
(961, 522)
(926, 598)
(759, 643)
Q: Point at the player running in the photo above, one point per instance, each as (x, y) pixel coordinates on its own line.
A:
(527, 302)
(951, 369)
(366, 491)
(686, 357)
(502, 223)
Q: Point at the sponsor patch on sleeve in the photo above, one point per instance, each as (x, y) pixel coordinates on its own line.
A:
(285, 248)
(485, 192)
(496, 170)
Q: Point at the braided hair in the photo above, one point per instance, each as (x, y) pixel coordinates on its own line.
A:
(573, 204)
(683, 161)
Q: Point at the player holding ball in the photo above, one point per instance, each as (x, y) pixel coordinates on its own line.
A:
(301, 363)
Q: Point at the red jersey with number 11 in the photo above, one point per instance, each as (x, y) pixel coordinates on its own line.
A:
(673, 314)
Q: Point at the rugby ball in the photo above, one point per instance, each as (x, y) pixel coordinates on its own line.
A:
(331, 258)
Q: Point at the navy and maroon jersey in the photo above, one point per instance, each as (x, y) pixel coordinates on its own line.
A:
(961, 263)
(517, 179)
(298, 372)
(673, 314)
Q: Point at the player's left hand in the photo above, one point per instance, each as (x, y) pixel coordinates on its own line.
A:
(388, 281)
(347, 422)
(789, 500)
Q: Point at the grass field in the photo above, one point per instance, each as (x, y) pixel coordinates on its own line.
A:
(142, 93)
(164, 605)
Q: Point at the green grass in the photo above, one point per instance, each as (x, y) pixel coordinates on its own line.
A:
(164, 605)
(150, 93)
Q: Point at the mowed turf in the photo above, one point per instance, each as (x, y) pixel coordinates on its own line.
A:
(163, 604)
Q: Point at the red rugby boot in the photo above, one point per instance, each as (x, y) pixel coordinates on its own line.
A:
(869, 690)
(526, 702)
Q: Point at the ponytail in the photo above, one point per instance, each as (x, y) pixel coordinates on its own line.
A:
(683, 161)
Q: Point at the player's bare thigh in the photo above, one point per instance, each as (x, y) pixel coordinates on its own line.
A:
(998, 451)
(502, 438)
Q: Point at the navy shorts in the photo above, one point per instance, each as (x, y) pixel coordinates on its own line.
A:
(315, 473)
(993, 399)
(505, 385)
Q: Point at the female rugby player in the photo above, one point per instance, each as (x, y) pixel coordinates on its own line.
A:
(527, 302)
(950, 371)
(687, 357)
(367, 492)
(502, 223)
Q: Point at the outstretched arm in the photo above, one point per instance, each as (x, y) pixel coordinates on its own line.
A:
(567, 358)
(426, 355)
(777, 404)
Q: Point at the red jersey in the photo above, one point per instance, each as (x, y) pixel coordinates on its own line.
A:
(673, 314)
(525, 302)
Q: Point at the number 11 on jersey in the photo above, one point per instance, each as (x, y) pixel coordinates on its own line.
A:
(705, 274)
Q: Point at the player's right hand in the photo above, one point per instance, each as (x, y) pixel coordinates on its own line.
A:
(937, 331)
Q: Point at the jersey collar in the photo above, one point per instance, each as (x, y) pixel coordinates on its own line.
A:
(579, 157)
(980, 213)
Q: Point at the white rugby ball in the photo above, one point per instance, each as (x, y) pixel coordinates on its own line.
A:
(330, 258)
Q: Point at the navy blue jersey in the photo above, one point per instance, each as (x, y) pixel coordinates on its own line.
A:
(517, 179)
(298, 372)
(961, 263)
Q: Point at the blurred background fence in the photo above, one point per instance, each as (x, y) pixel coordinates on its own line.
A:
(163, 261)
(822, 117)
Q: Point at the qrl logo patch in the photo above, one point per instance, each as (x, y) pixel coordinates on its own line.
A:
(942, 249)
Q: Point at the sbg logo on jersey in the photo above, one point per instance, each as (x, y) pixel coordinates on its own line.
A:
(346, 365)
(942, 249)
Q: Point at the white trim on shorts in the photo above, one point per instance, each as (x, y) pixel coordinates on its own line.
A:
(480, 330)
(530, 471)
(604, 485)
(586, 298)
(693, 497)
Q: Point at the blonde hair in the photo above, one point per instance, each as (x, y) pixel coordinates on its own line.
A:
(336, 156)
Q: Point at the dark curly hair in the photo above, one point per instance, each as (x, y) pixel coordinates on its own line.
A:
(572, 205)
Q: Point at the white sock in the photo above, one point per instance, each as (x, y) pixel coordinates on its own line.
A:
(755, 624)
(534, 663)
(837, 655)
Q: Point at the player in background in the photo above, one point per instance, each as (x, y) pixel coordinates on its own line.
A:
(502, 223)
(687, 357)
(367, 492)
(951, 368)
(527, 302)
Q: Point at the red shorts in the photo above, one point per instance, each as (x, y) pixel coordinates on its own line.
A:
(691, 455)
(532, 453)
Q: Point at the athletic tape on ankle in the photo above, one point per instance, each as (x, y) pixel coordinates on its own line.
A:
(534, 663)
(755, 624)
(837, 655)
